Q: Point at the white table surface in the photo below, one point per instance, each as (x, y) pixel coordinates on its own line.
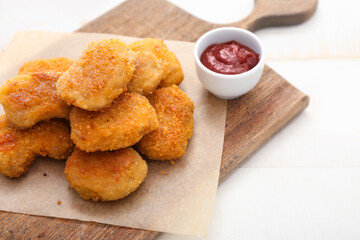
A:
(305, 182)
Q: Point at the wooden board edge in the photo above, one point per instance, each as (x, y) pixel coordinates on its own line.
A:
(270, 132)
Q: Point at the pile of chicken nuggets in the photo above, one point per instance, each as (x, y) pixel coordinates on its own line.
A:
(98, 112)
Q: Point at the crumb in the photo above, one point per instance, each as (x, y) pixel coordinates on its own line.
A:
(41, 235)
(172, 162)
(45, 174)
(59, 203)
(163, 173)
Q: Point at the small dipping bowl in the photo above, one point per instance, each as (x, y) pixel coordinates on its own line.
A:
(223, 85)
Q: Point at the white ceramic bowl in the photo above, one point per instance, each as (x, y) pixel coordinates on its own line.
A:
(223, 85)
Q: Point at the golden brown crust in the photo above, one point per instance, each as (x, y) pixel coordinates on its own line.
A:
(30, 98)
(100, 74)
(122, 124)
(148, 74)
(19, 148)
(105, 176)
(59, 64)
(174, 110)
(173, 73)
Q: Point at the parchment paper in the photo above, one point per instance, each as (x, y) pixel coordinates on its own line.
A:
(179, 202)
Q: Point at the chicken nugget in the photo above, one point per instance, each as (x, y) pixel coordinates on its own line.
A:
(30, 98)
(121, 125)
(19, 148)
(148, 74)
(100, 74)
(59, 64)
(105, 176)
(174, 110)
(173, 73)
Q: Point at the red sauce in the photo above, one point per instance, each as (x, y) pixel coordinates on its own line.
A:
(229, 58)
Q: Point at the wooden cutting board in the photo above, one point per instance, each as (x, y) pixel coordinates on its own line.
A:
(251, 120)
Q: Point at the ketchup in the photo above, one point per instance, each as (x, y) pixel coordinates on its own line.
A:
(229, 58)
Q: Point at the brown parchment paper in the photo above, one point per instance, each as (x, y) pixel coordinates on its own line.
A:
(179, 202)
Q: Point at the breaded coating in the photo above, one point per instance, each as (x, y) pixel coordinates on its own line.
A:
(30, 98)
(105, 176)
(174, 110)
(59, 64)
(121, 125)
(148, 74)
(19, 148)
(100, 74)
(173, 73)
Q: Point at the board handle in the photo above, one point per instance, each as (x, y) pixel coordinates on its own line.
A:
(270, 13)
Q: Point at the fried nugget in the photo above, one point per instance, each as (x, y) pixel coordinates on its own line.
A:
(105, 176)
(100, 74)
(30, 98)
(148, 74)
(19, 148)
(174, 110)
(173, 73)
(59, 64)
(121, 125)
